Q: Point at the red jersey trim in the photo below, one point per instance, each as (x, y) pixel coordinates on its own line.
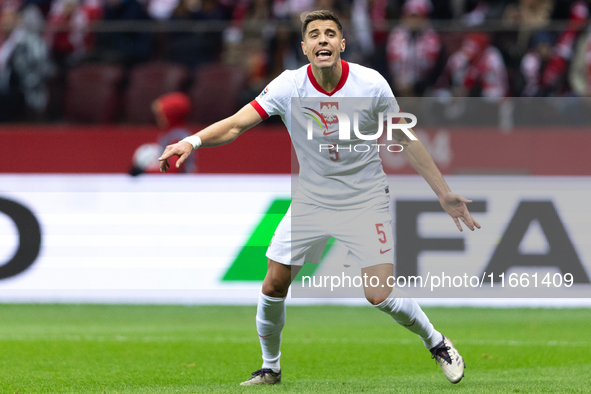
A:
(255, 104)
(339, 86)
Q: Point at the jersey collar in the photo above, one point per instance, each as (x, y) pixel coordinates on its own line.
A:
(341, 83)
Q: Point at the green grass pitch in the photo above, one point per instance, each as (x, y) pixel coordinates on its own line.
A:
(332, 349)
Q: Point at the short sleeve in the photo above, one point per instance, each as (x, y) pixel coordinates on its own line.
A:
(275, 99)
(387, 103)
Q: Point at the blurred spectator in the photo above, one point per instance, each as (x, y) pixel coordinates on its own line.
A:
(93, 9)
(253, 21)
(534, 63)
(257, 42)
(298, 7)
(380, 12)
(530, 13)
(171, 111)
(363, 44)
(24, 64)
(67, 29)
(414, 49)
(523, 18)
(340, 8)
(554, 78)
(194, 49)
(124, 47)
(580, 69)
(476, 15)
(264, 39)
(162, 9)
(476, 69)
(284, 50)
(43, 5)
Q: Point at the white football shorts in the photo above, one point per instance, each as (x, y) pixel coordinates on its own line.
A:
(305, 229)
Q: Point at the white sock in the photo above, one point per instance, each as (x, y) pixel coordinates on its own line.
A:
(406, 312)
(270, 321)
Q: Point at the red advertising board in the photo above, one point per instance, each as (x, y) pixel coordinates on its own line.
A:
(267, 150)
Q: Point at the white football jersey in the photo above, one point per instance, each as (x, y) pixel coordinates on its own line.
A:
(347, 174)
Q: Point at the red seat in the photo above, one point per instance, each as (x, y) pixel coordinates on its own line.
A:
(216, 92)
(149, 81)
(92, 93)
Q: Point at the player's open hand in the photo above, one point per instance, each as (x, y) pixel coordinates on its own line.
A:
(455, 206)
(182, 149)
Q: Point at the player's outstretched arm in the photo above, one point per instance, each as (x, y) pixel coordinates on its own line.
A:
(453, 204)
(219, 133)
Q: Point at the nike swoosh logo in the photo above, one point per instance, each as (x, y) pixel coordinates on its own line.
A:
(332, 132)
(413, 322)
(385, 251)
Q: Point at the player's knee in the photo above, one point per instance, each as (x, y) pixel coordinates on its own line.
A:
(275, 287)
(377, 295)
(376, 300)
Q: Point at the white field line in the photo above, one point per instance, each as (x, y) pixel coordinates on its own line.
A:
(254, 339)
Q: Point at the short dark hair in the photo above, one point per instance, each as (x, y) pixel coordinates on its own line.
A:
(320, 15)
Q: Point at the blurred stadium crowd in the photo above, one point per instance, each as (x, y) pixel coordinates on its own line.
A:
(96, 60)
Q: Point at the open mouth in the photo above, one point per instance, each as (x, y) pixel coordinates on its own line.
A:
(323, 54)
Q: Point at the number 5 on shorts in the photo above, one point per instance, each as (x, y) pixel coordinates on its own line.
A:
(381, 233)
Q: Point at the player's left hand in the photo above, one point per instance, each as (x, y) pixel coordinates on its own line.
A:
(455, 206)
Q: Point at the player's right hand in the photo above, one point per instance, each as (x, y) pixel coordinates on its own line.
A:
(182, 149)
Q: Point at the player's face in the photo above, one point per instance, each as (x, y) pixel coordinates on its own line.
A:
(323, 43)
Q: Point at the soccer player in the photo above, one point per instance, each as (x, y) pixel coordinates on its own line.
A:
(347, 188)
